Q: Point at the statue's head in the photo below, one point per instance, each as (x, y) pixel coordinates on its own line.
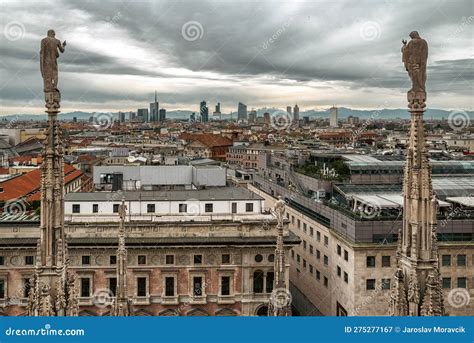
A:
(414, 34)
(51, 33)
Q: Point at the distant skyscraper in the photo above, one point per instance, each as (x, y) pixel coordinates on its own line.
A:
(296, 114)
(154, 110)
(242, 112)
(333, 117)
(252, 116)
(266, 118)
(162, 114)
(131, 116)
(217, 112)
(121, 117)
(192, 117)
(288, 109)
(204, 112)
(142, 114)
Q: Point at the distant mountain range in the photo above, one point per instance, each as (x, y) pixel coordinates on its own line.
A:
(343, 112)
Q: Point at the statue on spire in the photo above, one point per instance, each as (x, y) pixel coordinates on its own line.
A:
(49, 53)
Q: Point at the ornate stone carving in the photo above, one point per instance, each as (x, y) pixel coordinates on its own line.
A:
(49, 53)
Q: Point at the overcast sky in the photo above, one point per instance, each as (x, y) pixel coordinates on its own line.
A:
(262, 53)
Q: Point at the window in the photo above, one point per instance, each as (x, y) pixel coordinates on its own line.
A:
(208, 208)
(318, 254)
(461, 260)
(225, 258)
(311, 231)
(2, 260)
(346, 277)
(304, 244)
(95, 208)
(270, 280)
(225, 285)
(76, 208)
(141, 286)
(385, 283)
(304, 227)
(116, 208)
(86, 260)
(169, 286)
(326, 282)
(258, 281)
(310, 249)
(346, 255)
(197, 259)
(293, 220)
(183, 208)
(2, 289)
(271, 258)
(197, 286)
(326, 260)
(169, 259)
(113, 259)
(26, 287)
(298, 258)
(326, 240)
(446, 260)
(370, 261)
(370, 284)
(446, 282)
(249, 207)
(259, 258)
(318, 236)
(150, 208)
(113, 285)
(339, 250)
(311, 268)
(85, 287)
(141, 259)
(299, 223)
(385, 261)
(339, 271)
(318, 275)
(234, 207)
(462, 282)
(304, 263)
(29, 260)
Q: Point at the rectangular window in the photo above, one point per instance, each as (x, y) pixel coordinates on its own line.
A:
(95, 208)
(150, 208)
(339, 271)
(197, 259)
(370, 261)
(318, 236)
(311, 231)
(326, 260)
(141, 286)
(76, 208)
(447, 282)
(326, 282)
(225, 285)
(197, 286)
(304, 227)
(225, 258)
(29, 260)
(26, 287)
(462, 282)
(446, 260)
(461, 260)
(2, 289)
(318, 275)
(310, 249)
(385, 283)
(299, 223)
(249, 207)
(270, 281)
(298, 258)
(86, 260)
(346, 277)
(370, 284)
(311, 268)
(318, 254)
(304, 263)
(113, 285)
(304, 244)
(85, 287)
(113, 259)
(169, 286)
(169, 259)
(141, 259)
(234, 207)
(339, 250)
(116, 208)
(326, 240)
(183, 208)
(2, 260)
(385, 261)
(209, 208)
(293, 220)
(346, 255)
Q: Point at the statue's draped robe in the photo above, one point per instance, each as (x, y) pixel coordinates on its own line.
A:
(48, 62)
(415, 55)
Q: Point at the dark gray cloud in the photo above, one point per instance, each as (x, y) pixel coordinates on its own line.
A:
(262, 52)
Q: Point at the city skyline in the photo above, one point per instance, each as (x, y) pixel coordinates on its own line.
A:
(192, 52)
